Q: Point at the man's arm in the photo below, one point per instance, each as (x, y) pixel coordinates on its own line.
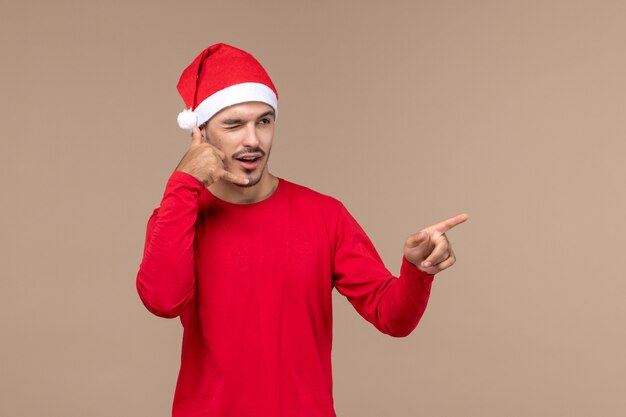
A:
(167, 278)
(393, 305)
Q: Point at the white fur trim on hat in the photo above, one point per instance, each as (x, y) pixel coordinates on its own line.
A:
(235, 94)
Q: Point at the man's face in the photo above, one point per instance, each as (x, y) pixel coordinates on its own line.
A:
(244, 132)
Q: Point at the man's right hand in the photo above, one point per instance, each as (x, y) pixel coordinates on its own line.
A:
(205, 162)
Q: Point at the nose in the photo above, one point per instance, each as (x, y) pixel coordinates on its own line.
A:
(251, 139)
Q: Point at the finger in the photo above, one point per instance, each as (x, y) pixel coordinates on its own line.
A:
(448, 224)
(440, 253)
(196, 136)
(447, 263)
(416, 239)
(219, 153)
(235, 179)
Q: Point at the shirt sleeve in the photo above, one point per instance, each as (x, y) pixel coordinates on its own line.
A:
(166, 279)
(393, 305)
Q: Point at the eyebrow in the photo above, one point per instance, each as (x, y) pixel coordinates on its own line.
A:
(240, 121)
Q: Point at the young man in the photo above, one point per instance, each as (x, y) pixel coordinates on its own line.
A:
(249, 261)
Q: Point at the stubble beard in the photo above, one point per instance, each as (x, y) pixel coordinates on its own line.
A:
(251, 180)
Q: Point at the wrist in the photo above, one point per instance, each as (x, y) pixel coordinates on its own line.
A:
(408, 265)
(205, 181)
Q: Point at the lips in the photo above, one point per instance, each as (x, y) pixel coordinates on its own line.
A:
(249, 158)
(249, 161)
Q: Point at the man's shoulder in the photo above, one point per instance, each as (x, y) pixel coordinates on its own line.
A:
(301, 192)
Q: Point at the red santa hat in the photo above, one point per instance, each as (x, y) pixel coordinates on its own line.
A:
(219, 77)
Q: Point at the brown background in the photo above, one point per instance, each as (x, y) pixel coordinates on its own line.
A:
(407, 111)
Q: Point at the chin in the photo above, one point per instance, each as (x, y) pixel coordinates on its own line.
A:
(253, 181)
(255, 176)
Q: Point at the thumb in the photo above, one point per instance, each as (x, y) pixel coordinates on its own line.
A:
(416, 240)
(196, 136)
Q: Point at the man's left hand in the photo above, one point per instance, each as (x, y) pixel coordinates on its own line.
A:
(429, 249)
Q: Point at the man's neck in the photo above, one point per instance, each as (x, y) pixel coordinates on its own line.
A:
(236, 194)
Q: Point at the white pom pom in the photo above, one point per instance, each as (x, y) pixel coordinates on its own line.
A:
(187, 119)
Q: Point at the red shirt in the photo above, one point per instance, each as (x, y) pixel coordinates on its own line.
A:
(252, 284)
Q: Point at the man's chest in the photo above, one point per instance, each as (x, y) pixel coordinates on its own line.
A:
(274, 256)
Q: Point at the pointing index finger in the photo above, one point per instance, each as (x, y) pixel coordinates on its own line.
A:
(448, 224)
